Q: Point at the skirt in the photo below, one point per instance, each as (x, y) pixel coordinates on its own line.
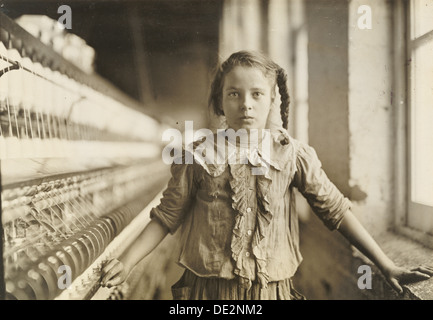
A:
(192, 287)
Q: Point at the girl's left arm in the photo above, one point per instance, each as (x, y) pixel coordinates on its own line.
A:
(396, 276)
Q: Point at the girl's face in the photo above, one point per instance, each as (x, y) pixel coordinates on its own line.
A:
(247, 98)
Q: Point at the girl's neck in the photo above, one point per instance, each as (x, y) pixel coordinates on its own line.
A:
(247, 139)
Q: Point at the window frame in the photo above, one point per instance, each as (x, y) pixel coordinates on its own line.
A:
(409, 215)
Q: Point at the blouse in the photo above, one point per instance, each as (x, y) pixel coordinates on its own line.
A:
(237, 223)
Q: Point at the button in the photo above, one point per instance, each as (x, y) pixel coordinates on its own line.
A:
(248, 210)
(247, 254)
(249, 232)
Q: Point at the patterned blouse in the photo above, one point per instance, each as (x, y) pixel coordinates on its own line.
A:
(239, 224)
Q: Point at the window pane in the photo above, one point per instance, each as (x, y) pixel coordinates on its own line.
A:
(422, 125)
(422, 17)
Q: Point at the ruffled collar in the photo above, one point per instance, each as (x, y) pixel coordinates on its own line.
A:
(215, 152)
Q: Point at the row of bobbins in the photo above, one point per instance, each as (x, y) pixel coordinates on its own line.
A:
(41, 279)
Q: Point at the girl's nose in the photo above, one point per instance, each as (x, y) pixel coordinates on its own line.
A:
(247, 103)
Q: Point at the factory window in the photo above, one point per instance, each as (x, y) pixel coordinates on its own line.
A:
(420, 115)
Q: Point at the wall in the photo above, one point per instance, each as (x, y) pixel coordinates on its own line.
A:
(371, 115)
(350, 121)
(326, 255)
(181, 81)
(328, 87)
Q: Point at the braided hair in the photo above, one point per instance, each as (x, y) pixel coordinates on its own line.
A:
(256, 60)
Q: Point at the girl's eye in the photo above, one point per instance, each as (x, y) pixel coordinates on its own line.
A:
(257, 94)
(233, 94)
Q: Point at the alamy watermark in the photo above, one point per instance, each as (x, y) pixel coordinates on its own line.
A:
(365, 18)
(65, 20)
(364, 281)
(255, 146)
(65, 278)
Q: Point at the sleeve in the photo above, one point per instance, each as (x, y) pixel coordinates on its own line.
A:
(327, 202)
(177, 197)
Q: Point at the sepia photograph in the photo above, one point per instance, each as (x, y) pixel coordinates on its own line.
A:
(223, 150)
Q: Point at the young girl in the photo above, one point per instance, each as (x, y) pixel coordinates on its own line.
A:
(239, 236)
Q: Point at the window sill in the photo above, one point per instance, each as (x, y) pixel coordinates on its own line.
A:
(421, 237)
(406, 253)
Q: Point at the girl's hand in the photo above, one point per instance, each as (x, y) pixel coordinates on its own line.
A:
(397, 276)
(113, 273)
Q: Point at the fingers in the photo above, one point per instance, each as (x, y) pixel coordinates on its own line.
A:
(395, 285)
(402, 276)
(421, 275)
(110, 273)
(106, 269)
(424, 269)
(114, 281)
(108, 265)
(413, 276)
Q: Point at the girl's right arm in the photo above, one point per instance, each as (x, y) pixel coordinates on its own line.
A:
(169, 214)
(115, 271)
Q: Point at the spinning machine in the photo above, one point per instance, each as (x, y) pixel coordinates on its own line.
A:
(80, 167)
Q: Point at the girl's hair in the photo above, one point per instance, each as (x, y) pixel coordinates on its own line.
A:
(254, 60)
